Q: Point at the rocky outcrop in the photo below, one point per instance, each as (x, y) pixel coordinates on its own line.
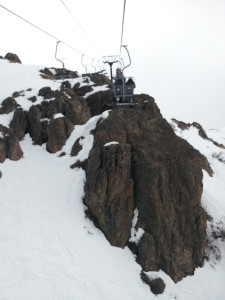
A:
(13, 58)
(8, 105)
(156, 172)
(109, 191)
(184, 126)
(81, 91)
(100, 79)
(10, 147)
(156, 285)
(201, 131)
(136, 163)
(58, 132)
(40, 120)
(19, 123)
(47, 73)
(100, 102)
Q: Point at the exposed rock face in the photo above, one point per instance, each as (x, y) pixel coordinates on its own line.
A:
(10, 147)
(19, 123)
(81, 91)
(99, 102)
(158, 173)
(148, 168)
(76, 147)
(156, 285)
(100, 79)
(13, 58)
(109, 191)
(8, 105)
(59, 131)
(40, 122)
(201, 131)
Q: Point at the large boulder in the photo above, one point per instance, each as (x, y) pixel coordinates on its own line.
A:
(35, 124)
(10, 147)
(58, 132)
(13, 58)
(109, 191)
(2, 150)
(19, 123)
(41, 117)
(8, 105)
(156, 285)
(100, 79)
(160, 175)
(100, 102)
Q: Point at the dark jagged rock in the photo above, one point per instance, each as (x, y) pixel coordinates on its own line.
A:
(100, 101)
(184, 126)
(16, 94)
(201, 131)
(1, 57)
(109, 191)
(10, 147)
(33, 99)
(76, 147)
(46, 92)
(61, 71)
(13, 58)
(156, 285)
(8, 105)
(58, 132)
(80, 164)
(160, 174)
(2, 150)
(75, 110)
(81, 91)
(65, 85)
(14, 151)
(100, 79)
(46, 74)
(19, 123)
(35, 126)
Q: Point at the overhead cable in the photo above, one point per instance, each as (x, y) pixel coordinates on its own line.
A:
(72, 15)
(52, 36)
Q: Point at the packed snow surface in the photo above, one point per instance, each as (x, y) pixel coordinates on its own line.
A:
(49, 250)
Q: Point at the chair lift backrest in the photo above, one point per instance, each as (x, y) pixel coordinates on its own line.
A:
(64, 75)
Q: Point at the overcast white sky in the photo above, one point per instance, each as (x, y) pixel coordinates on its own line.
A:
(177, 46)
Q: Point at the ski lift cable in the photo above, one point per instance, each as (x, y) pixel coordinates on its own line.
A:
(47, 33)
(121, 40)
(72, 15)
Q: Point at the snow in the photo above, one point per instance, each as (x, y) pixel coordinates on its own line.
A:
(50, 250)
(5, 119)
(45, 120)
(23, 77)
(97, 89)
(136, 234)
(214, 187)
(57, 116)
(110, 143)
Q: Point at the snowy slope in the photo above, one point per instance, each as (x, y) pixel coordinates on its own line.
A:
(49, 250)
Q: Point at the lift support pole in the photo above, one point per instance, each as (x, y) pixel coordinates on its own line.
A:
(110, 63)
